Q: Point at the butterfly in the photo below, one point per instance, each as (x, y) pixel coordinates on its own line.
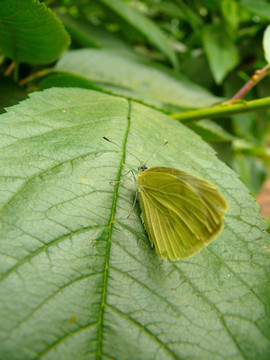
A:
(181, 212)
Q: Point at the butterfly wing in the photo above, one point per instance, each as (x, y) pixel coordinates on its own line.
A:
(181, 212)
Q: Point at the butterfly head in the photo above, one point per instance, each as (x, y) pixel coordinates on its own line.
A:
(142, 167)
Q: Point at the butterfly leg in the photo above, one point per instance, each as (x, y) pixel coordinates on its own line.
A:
(134, 203)
(123, 180)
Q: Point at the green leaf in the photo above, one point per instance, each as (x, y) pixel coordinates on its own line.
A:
(145, 26)
(251, 171)
(191, 16)
(230, 12)
(196, 69)
(132, 78)
(79, 280)
(90, 35)
(66, 80)
(220, 50)
(266, 43)
(2, 57)
(169, 8)
(30, 32)
(211, 131)
(259, 7)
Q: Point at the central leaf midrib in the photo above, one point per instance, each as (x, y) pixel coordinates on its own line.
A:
(108, 248)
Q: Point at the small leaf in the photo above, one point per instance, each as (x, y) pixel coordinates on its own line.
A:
(221, 51)
(144, 25)
(132, 78)
(266, 43)
(79, 280)
(230, 12)
(30, 32)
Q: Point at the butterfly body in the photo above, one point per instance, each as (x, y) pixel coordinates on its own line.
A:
(181, 212)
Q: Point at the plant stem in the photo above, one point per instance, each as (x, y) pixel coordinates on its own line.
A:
(10, 69)
(35, 75)
(16, 72)
(225, 109)
(256, 77)
(232, 106)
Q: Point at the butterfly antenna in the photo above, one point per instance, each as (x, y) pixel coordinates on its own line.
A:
(161, 146)
(122, 149)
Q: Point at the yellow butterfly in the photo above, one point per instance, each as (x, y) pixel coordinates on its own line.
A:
(182, 213)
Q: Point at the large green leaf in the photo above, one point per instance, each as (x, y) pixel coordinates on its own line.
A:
(80, 280)
(30, 32)
(144, 25)
(132, 78)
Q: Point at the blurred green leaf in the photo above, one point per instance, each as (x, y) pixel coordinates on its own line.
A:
(243, 124)
(250, 148)
(211, 131)
(251, 126)
(223, 151)
(2, 57)
(220, 50)
(10, 93)
(145, 26)
(171, 9)
(196, 69)
(133, 78)
(230, 11)
(79, 280)
(90, 35)
(259, 7)
(30, 32)
(191, 16)
(66, 80)
(251, 171)
(266, 43)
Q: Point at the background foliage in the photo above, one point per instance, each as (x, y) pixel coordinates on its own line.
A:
(78, 279)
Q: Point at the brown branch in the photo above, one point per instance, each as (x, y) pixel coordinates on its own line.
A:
(10, 68)
(256, 77)
(35, 75)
